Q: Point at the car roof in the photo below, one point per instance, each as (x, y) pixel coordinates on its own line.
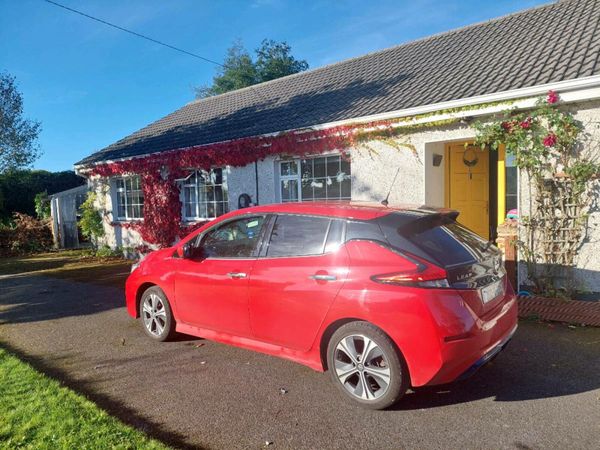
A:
(342, 209)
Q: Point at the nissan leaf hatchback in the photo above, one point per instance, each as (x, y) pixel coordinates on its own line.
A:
(384, 298)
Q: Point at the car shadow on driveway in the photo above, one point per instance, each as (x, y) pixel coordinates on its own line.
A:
(539, 363)
(29, 298)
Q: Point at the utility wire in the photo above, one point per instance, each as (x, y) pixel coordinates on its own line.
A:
(172, 47)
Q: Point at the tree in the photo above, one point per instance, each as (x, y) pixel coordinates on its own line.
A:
(18, 135)
(273, 60)
(18, 189)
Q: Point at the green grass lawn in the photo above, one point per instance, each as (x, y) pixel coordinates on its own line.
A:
(37, 413)
(74, 265)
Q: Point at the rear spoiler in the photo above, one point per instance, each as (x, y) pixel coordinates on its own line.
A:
(428, 221)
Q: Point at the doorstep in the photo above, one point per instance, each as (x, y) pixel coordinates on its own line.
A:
(559, 310)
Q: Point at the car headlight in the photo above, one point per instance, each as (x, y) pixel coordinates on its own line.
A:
(135, 265)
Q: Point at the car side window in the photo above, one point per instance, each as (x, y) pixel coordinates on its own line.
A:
(235, 239)
(298, 236)
(369, 230)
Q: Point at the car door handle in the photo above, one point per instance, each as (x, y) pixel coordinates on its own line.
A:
(320, 277)
(236, 275)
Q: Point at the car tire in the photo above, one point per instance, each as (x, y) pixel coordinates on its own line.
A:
(376, 383)
(157, 317)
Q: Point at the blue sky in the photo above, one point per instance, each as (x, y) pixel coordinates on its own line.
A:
(91, 85)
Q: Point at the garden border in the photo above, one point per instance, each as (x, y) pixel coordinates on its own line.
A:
(559, 310)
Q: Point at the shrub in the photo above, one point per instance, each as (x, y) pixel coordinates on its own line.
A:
(106, 252)
(25, 235)
(90, 222)
(42, 205)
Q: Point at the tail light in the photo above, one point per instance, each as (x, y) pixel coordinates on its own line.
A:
(415, 273)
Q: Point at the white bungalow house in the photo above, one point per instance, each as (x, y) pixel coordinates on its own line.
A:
(433, 88)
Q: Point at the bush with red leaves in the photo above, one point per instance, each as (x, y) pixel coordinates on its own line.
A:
(26, 235)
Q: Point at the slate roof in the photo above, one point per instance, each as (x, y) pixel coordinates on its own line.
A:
(555, 42)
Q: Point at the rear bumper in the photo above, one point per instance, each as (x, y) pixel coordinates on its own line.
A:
(490, 355)
(462, 357)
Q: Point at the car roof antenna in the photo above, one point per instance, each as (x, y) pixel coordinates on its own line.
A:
(385, 201)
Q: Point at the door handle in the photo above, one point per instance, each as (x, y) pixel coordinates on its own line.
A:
(320, 277)
(236, 275)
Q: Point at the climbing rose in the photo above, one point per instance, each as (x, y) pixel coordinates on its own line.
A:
(526, 123)
(552, 97)
(550, 140)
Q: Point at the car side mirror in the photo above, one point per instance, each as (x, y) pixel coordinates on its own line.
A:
(187, 251)
(190, 251)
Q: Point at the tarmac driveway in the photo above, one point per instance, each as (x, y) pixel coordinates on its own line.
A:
(542, 392)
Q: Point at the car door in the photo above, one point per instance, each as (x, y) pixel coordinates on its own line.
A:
(295, 280)
(211, 286)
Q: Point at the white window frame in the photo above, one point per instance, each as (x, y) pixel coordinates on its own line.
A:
(298, 178)
(193, 180)
(117, 198)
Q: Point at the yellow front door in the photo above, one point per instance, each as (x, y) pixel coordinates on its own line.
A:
(468, 186)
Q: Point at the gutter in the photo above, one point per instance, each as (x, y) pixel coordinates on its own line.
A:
(578, 89)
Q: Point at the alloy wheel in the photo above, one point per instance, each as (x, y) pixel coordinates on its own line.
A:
(362, 367)
(154, 315)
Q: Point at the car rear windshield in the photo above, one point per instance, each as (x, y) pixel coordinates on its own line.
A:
(435, 237)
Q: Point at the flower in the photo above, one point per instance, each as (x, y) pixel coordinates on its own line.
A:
(552, 97)
(507, 126)
(550, 140)
(526, 124)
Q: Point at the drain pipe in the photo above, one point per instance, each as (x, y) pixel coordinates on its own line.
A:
(256, 180)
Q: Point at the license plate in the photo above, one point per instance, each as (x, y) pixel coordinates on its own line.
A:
(492, 291)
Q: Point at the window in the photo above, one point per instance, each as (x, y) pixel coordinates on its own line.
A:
(511, 183)
(205, 195)
(298, 236)
(433, 237)
(236, 239)
(322, 178)
(130, 198)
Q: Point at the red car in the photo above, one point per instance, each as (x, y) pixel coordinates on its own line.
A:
(385, 298)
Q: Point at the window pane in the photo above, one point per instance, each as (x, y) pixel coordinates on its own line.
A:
(289, 168)
(297, 236)
(210, 210)
(218, 176)
(307, 168)
(333, 166)
(333, 188)
(289, 190)
(121, 204)
(319, 167)
(319, 188)
(511, 202)
(235, 239)
(345, 167)
(364, 230)
(307, 190)
(511, 180)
